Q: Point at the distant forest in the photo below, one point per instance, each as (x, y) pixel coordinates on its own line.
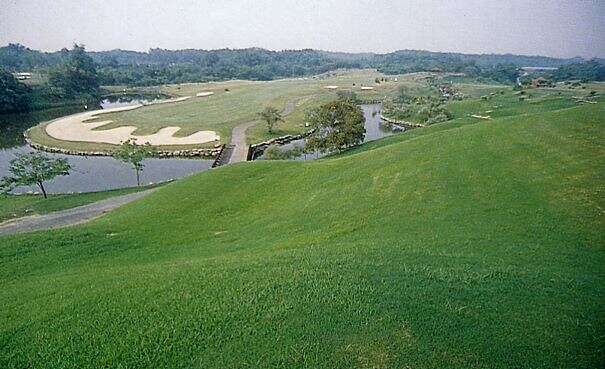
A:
(159, 66)
(70, 77)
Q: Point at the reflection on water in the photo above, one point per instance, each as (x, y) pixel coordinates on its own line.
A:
(89, 173)
(97, 173)
(12, 126)
(375, 128)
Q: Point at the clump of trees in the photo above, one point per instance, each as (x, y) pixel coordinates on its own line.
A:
(502, 73)
(76, 76)
(271, 116)
(424, 109)
(588, 71)
(72, 77)
(133, 154)
(33, 168)
(336, 125)
(14, 96)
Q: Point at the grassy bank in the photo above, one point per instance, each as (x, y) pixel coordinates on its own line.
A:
(468, 244)
(15, 206)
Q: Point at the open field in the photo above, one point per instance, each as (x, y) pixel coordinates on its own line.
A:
(466, 244)
(232, 103)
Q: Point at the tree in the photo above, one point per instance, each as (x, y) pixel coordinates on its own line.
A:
(14, 95)
(34, 168)
(271, 116)
(348, 95)
(336, 125)
(131, 153)
(77, 75)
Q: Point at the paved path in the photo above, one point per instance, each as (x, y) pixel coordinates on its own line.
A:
(238, 140)
(238, 135)
(63, 218)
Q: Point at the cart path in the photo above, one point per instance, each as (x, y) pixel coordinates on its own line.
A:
(238, 135)
(64, 218)
(238, 141)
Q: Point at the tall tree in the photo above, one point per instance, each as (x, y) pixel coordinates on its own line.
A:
(33, 168)
(336, 125)
(131, 153)
(14, 95)
(271, 116)
(77, 75)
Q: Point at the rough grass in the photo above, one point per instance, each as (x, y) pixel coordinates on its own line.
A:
(470, 245)
(15, 206)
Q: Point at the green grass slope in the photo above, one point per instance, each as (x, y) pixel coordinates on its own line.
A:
(467, 246)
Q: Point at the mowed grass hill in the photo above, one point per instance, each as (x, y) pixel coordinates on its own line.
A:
(467, 244)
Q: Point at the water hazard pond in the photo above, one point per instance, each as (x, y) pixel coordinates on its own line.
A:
(375, 128)
(89, 173)
(96, 173)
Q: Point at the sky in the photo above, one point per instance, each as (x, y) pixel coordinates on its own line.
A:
(559, 28)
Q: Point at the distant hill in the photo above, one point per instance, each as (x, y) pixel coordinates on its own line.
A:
(159, 66)
(19, 57)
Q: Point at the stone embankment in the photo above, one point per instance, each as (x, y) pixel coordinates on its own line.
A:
(259, 148)
(186, 153)
(401, 123)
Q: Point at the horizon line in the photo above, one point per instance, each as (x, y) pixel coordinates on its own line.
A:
(312, 49)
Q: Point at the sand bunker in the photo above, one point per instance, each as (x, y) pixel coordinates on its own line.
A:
(366, 88)
(331, 87)
(205, 93)
(77, 128)
(486, 117)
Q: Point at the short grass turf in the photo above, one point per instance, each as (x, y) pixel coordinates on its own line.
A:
(234, 103)
(472, 245)
(15, 206)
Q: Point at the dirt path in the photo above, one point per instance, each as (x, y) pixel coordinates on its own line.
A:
(64, 218)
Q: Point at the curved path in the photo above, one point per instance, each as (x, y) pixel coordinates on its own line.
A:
(64, 218)
(238, 135)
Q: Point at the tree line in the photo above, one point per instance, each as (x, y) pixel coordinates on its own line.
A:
(75, 75)
(74, 79)
(159, 66)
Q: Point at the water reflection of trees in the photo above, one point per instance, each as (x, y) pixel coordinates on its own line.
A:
(12, 126)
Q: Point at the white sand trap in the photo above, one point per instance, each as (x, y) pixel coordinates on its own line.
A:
(486, 117)
(331, 87)
(205, 93)
(367, 88)
(77, 128)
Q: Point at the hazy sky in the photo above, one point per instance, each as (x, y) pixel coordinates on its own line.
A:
(559, 28)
